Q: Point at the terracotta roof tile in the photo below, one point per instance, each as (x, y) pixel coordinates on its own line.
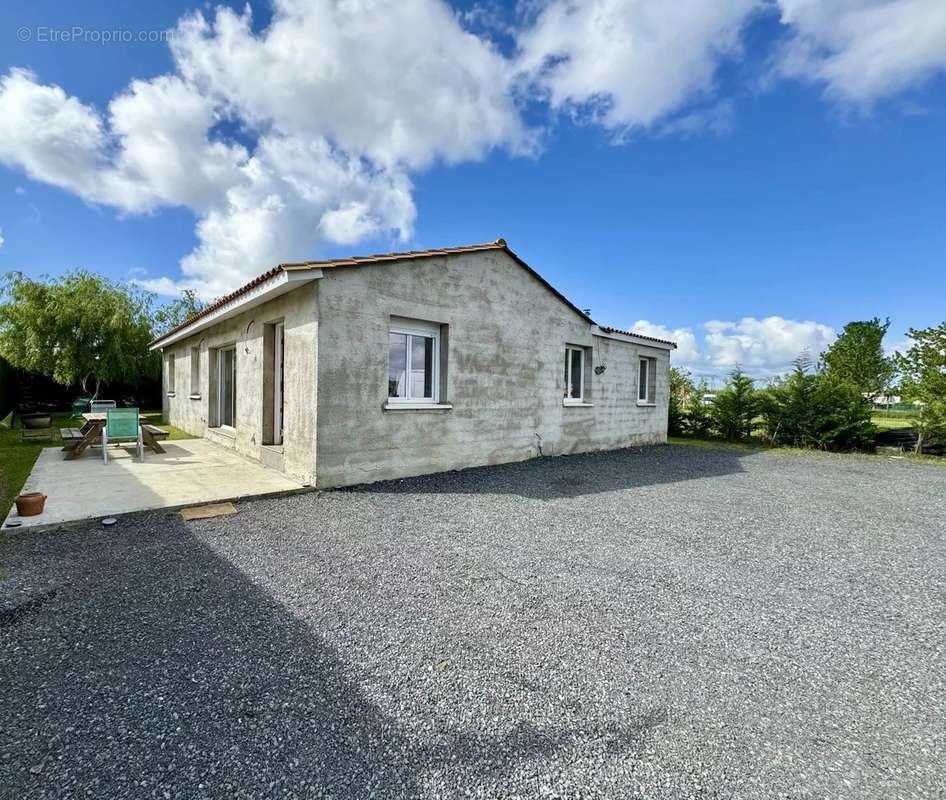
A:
(383, 258)
(608, 329)
(354, 261)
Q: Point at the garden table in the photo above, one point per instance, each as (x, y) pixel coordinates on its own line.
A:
(92, 434)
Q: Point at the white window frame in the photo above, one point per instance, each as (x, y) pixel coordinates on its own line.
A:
(426, 330)
(171, 376)
(195, 373)
(220, 381)
(568, 374)
(645, 385)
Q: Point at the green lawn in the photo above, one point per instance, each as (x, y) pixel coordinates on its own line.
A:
(888, 420)
(691, 441)
(17, 458)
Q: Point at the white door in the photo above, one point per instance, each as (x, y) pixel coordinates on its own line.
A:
(277, 383)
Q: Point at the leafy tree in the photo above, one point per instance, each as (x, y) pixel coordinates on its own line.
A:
(681, 395)
(735, 407)
(857, 357)
(79, 328)
(172, 314)
(814, 409)
(923, 378)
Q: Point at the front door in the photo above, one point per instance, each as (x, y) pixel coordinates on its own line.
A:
(277, 383)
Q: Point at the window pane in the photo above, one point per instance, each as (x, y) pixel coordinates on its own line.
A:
(576, 376)
(228, 387)
(652, 380)
(642, 381)
(397, 365)
(568, 383)
(233, 387)
(422, 356)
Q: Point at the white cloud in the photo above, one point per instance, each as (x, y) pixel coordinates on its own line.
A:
(630, 63)
(862, 50)
(687, 352)
(335, 104)
(761, 347)
(311, 130)
(399, 83)
(52, 137)
(2, 240)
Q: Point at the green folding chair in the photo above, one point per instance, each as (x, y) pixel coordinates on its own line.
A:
(122, 425)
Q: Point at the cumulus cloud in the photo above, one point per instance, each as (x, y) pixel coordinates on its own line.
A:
(762, 347)
(862, 50)
(400, 83)
(630, 63)
(329, 110)
(311, 130)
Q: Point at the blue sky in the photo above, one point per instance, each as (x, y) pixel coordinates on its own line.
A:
(748, 180)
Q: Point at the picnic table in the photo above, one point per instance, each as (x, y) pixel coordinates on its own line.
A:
(90, 433)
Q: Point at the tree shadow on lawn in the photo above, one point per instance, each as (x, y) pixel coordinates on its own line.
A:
(157, 667)
(555, 477)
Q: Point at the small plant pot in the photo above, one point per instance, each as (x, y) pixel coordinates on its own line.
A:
(30, 504)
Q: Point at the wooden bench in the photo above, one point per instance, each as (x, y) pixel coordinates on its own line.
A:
(155, 431)
(70, 434)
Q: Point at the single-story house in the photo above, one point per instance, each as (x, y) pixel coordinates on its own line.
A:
(362, 369)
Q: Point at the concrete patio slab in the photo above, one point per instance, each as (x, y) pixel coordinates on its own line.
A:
(191, 471)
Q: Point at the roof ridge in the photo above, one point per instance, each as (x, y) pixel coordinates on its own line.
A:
(498, 244)
(219, 302)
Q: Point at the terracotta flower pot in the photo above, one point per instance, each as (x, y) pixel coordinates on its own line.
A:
(30, 504)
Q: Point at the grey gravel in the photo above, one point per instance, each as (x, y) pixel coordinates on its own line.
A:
(666, 622)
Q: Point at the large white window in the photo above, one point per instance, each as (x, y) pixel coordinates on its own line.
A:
(574, 374)
(413, 356)
(226, 387)
(646, 382)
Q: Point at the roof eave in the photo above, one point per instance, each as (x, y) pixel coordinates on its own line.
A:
(280, 282)
(630, 336)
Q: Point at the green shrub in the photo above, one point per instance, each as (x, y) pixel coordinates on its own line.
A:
(698, 420)
(735, 407)
(814, 410)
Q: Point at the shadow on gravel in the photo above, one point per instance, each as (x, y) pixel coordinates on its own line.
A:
(158, 669)
(555, 477)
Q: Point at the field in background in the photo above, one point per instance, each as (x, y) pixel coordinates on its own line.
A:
(889, 419)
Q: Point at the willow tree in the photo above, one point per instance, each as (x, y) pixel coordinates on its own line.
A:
(78, 328)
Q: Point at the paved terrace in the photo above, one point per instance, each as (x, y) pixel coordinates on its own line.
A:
(191, 471)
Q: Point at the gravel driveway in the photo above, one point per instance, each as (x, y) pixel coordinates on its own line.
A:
(672, 622)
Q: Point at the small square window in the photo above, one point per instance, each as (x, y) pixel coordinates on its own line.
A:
(413, 357)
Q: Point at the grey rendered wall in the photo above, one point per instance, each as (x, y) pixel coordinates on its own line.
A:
(505, 377)
(190, 408)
